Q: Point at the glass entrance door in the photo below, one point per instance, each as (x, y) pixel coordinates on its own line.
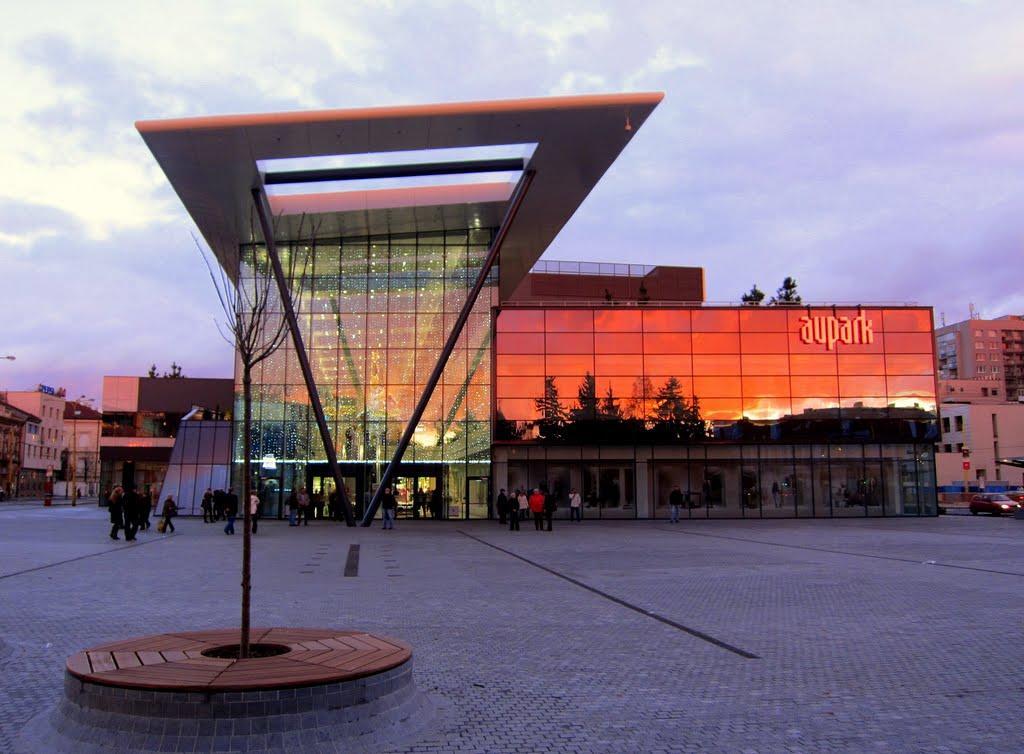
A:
(477, 497)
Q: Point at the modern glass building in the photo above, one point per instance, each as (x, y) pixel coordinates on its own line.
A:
(424, 352)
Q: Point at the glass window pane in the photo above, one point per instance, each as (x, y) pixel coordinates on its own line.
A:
(521, 320)
(716, 320)
(666, 320)
(569, 320)
(611, 320)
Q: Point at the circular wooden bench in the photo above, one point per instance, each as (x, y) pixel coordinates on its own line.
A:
(176, 661)
(165, 693)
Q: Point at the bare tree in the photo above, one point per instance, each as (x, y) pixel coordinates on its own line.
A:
(256, 328)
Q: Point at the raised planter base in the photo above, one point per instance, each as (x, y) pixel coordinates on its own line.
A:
(330, 691)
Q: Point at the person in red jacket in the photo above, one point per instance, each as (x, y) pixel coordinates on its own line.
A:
(537, 509)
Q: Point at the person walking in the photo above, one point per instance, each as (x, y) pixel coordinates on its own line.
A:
(254, 510)
(524, 505)
(115, 505)
(303, 507)
(170, 511)
(129, 507)
(207, 506)
(536, 503)
(513, 511)
(575, 505)
(219, 501)
(502, 504)
(146, 506)
(436, 505)
(675, 502)
(389, 505)
(292, 506)
(550, 505)
(230, 510)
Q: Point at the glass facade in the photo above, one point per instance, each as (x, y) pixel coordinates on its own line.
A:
(750, 411)
(374, 317)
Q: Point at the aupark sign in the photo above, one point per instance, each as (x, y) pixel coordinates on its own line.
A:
(828, 330)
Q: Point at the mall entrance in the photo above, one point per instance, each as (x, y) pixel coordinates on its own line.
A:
(418, 487)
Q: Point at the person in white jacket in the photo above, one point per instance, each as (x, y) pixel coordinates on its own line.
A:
(254, 509)
(575, 506)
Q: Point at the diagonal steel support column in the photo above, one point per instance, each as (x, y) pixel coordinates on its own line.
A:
(263, 211)
(435, 376)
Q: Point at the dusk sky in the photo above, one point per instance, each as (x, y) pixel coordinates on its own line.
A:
(873, 150)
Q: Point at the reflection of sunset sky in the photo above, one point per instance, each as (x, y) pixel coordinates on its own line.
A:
(738, 362)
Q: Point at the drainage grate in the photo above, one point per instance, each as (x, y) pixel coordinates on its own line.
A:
(352, 561)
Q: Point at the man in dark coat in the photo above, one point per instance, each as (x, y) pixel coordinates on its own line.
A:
(230, 510)
(502, 503)
(130, 511)
(218, 505)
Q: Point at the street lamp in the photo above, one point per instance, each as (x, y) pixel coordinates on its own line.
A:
(8, 357)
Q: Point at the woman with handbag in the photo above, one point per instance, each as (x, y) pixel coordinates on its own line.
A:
(169, 512)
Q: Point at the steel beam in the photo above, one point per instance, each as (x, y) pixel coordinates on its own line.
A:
(492, 255)
(411, 170)
(263, 211)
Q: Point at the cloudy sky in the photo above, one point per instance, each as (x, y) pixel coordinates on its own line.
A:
(874, 150)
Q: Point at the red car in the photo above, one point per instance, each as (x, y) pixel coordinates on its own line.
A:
(995, 503)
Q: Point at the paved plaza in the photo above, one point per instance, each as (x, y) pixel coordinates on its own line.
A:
(801, 636)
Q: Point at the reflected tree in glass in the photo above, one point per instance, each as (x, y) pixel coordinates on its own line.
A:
(553, 415)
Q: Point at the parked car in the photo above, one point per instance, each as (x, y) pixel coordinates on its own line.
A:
(995, 503)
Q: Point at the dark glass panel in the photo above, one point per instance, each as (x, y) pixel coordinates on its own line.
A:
(570, 342)
(763, 320)
(908, 343)
(666, 342)
(716, 387)
(520, 343)
(569, 320)
(613, 320)
(907, 320)
(618, 343)
(666, 320)
(813, 364)
(520, 387)
(850, 386)
(764, 343)
(618, 364)
(912, 363)
(817, 385)
(677, 364)
(757, 387)
(715, 342)
(765, 364)
(722, 364)
(866, 363)
(571, 364)
(521, 320)
(716, 320)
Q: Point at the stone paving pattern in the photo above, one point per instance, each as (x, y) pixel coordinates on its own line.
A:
(866, 640)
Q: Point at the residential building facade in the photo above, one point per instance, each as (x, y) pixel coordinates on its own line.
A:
(42, 442)
(988, 349)
(13, 424)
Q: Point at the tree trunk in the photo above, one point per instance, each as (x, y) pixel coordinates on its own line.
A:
(243, 651)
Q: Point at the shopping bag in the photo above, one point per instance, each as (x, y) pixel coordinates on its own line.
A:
(162, 526)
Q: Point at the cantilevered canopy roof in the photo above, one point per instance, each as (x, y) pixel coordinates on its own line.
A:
(213, 163)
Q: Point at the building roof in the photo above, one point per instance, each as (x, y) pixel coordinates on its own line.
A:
(86, 413)
(20, 413)
(212, 164)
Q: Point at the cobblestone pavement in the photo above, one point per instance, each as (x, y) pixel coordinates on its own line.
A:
(771, 636)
